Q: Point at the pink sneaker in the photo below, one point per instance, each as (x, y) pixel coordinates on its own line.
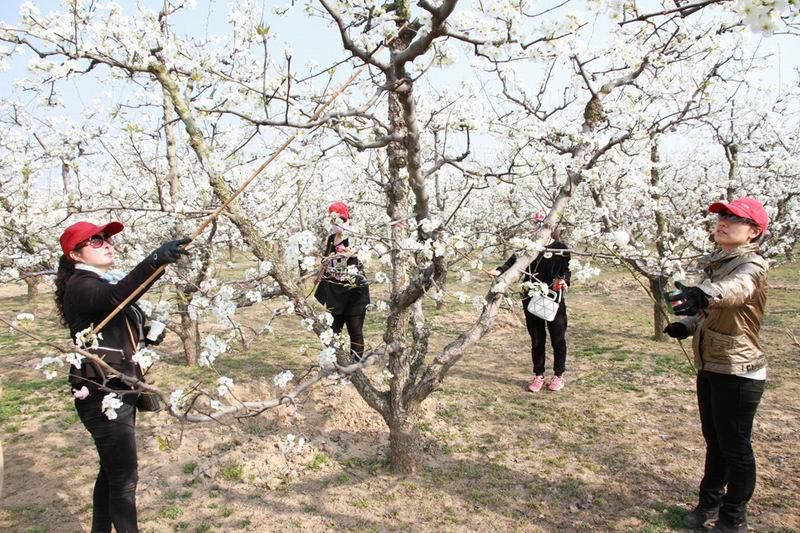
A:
(556, 383)
(536, 384)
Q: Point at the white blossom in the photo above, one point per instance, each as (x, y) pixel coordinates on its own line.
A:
(621, 237)
(500, 286)
(176, 400)
(384, 376)
(88, 340)
(326, 318)
(75, 359)
(429, 225)
(225, 385)
(214, 347)
(288, 443)
(145, 358)
(326, 337)
(253, 296)
(283, 379)
(49, 364)
(264, 267)
(111, 403)
(327, 357)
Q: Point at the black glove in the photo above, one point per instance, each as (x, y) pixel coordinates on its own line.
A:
(170, 251)
(690, 300)
(159, 339)
(676, 330)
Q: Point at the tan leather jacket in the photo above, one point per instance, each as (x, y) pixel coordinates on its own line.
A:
(726, 332)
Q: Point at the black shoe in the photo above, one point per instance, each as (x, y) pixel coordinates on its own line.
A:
(698, 516)
(722, 527)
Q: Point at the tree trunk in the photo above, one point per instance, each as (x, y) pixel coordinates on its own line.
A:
(440, 304)
(657, 288)
(405, 445)
(190, 337)
(33, 286)
(658, 284)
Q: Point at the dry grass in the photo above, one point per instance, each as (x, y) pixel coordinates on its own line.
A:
(618, 449)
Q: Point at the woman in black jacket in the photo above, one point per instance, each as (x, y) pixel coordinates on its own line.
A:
(343, 289)
(551, 268)
(85, 295)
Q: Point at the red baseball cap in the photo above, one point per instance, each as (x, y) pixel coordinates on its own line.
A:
(81, 231)
(745, 208)
(538, 216)
(341, 209)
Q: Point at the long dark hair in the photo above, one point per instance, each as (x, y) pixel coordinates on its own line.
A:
(66, 269)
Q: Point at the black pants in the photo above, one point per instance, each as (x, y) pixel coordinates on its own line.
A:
(355, 328)
(114, 498)
(558, 332)
(727, 408)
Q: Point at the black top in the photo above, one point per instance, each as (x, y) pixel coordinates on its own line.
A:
(88, 300)
(546, 269)
(340, 292)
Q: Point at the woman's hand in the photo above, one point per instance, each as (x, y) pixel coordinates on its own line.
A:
(676, 330)
(171, 251)
(687, 301)
(159, 339)
(493, 273)
(559, 284)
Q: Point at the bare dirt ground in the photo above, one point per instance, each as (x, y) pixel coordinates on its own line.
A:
(619, 449)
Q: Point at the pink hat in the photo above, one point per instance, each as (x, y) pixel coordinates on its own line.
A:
(82, 231)
(538, 216)
(749, 208)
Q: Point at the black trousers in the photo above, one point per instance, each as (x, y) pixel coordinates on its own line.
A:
(355, 328)
(558, 339)
(114, 498)
(728, 406)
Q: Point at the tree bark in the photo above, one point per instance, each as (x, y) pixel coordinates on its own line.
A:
(190, 336)
(657, 288)
(32, 283)
(658, 283)
(403, 452)
(173, 176)
(405, 444)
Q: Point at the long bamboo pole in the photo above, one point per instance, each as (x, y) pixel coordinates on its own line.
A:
(213, 216)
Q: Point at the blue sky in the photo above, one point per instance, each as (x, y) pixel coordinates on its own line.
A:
(314, 39)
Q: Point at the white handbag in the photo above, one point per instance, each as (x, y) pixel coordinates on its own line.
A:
(545, 306)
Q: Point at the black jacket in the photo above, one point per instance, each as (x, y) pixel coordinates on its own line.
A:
(88, 300)
(342, 294)
(546, 269)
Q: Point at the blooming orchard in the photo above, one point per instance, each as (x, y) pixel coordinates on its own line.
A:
(467, 120)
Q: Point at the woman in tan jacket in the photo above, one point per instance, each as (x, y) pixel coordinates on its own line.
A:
(723, 314)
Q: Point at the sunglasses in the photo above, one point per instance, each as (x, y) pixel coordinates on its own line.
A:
(96, 241)
(733, 218)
